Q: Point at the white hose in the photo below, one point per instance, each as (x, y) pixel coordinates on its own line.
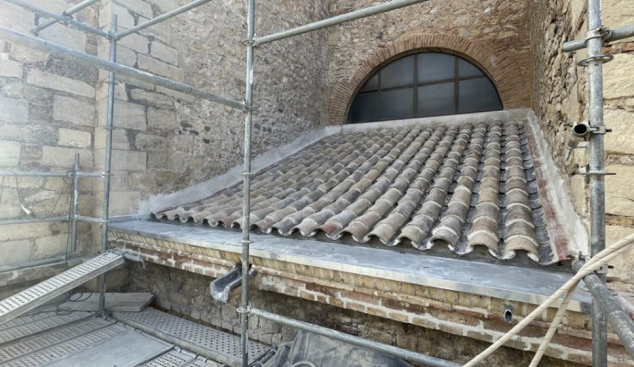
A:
(304, 363)
(599, 260)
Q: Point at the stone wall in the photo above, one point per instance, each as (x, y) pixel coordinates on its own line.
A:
(47, 115)
(165, 141)
(187, 295)
(560, 98)
(492, 33)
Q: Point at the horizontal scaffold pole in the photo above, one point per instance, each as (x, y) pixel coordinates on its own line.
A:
(353, 15)
(68, 12)
(355, 340)
(61, 51)
(615, 35)
(161, 18)
(62, 18)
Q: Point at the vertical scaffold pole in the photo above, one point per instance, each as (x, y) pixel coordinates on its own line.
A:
(107, 165)
(246, 195)
(597, 166)
(74, 212)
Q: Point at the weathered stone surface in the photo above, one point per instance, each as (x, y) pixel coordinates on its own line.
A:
(125, 56)
(22, 231)
(65, 36)
(160, 68)
(50, 246)
(9, 68)
(25, 54)
(617, 13)
(151, 98)
(122, 203)
(621, 139)
(74, 138)
(165, 119)
(165, 5)
(624, 264)
(123, 160)
(10, 204)
(14, 17)
(73, 111)
(160, 31)
(9, 153)
(52, 81)
(65, 157)
(176, 94)
(15, 252)
(136, 43)
(126, 115)
(119, 91)
(150, 142)
(119, 139)
(617, 77)
(164, 53)
(125, 20)
(619, 196)
(137, 6)
(12, 110)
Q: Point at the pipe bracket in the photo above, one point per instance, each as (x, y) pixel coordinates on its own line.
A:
(602, 32)
(599, 58)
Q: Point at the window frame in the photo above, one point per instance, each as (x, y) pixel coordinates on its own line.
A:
(456, 89)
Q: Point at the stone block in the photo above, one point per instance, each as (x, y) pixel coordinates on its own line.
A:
(160, 68)
(126, 115)
(9, 68)
(622, 124)
(150, 142)
(24, 54)
(137, 6)
(15, 252)
(617, 77)
(121, 203)
(51, 246)
(624, 264)
(165, 5)
(123, 160)
(125, 56)
(60, 83)
(74, 111)
(9, 153)
(617, 13)
(136, 43)
(65, 36)
(119, 91)
(124, 17)
(12, 110)
(164, 119)
(155, 99)
(16, 18)
(160, 31)
(74, 138)
(134, 82)
(118, 182)
(65, 157)
(619, 196)
(176, 94)
(22, 231)
(164, 53)
(10, 204)
(119, 139)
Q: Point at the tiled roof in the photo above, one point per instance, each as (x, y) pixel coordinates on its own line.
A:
(455, 187)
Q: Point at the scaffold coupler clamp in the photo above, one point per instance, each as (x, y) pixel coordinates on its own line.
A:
(604, 33)
(243, 311)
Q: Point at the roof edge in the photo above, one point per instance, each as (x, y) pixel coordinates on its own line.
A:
(569, 235)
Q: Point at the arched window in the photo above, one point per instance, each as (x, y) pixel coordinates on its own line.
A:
(421, 85)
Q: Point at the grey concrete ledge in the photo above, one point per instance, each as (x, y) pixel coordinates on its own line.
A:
(532, 286)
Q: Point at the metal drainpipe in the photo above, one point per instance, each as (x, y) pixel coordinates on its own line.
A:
(246, 195)
(108, 154)
(596, 169)
(73, 214)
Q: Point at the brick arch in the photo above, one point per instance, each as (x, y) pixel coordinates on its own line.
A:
(504, 73)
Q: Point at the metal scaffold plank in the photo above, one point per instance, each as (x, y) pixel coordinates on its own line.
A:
(41, 293)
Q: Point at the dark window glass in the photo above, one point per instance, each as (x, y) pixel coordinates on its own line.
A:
(477, 95)
(433, 67)
(371, 84)
(467, 69)
(436, 99)
(396, 104)
(421, 85)
(364, 107)
(399, 73)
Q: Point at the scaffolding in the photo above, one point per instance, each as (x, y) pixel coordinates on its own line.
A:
(595, 38)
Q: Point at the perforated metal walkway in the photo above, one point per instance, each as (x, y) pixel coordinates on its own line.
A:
(79, 339)
(41, 293)
(208, 342)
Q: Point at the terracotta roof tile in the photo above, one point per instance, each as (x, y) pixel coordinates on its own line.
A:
(450, 187)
